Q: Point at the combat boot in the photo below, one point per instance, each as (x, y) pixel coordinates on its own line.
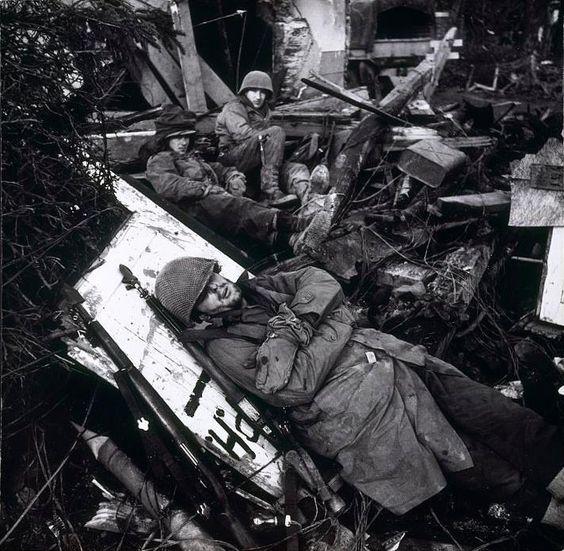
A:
(309, 240)
(273, 195)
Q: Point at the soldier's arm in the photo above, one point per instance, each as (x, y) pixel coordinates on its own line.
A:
(236, 122)
(315, 293)
(168, 183)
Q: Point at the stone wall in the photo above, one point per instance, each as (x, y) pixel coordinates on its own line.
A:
(308, 35)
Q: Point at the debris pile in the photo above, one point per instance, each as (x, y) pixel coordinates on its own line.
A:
(448, 232)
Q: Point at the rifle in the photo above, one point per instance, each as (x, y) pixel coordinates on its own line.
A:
(233, 394)
(273, 429)
(208, 487)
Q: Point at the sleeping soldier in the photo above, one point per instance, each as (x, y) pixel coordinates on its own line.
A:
(213, 193)
(400, 422)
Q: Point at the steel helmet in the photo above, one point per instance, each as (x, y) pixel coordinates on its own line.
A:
(180, 283)
(256, 79)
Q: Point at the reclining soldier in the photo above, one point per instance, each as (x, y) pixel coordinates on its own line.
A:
(400, 422)
(212, 193)
(248, 140)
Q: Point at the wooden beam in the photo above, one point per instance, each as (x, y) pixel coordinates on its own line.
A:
(189, 59)
(408, 88)
(479, 203)
(214, 87)
(336, 91)
(370, 135)
(439, 60)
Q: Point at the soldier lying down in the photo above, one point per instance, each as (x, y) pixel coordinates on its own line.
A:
(399, 421)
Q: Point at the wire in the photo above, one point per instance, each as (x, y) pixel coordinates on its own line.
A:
(240, 51)
(238, 12)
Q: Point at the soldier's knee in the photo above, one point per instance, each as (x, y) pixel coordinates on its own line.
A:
(296, 171)
(275, 133)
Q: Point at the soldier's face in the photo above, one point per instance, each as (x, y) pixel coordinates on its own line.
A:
(179, 144)
(256, 97)
(219, 295)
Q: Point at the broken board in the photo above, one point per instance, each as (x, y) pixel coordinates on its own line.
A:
(551, 307)
(146, 242)
(537, 189)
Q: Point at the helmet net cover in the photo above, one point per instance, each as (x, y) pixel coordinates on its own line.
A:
(181, 282)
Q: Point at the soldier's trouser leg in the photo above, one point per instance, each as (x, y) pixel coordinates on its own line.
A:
(295, 179)
(247, 155)
(517, 434)
(230, 215)
(268, 153)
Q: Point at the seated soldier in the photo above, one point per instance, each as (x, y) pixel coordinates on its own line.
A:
(212, 193)
(400, 422)
(248, 140)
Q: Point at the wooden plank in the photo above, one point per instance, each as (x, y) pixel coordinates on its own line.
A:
(369, 134)
(189, 59)
(150, 238)
(459, 274)
(442, 54)
(533, 206)
(476, 203)
(551, 307)
(408, 88)
(401, 138)
(324, 102)
(123, 146)
(431, 161)
(214, 87)
(159, 76)
(400, 47)
(333, 90)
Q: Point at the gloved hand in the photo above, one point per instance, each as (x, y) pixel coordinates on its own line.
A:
(213, 189)
(275, 356)
(236, 184)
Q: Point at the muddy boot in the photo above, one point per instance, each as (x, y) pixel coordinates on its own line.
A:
(301, 189)
(320, 179)
(274, 197)
(309, 240)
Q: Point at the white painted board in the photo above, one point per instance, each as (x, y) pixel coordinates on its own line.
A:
(552, 295)
(148, 240)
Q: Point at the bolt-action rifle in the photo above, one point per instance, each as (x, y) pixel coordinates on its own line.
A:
(273, 429)
(207, 488)
(233, 394)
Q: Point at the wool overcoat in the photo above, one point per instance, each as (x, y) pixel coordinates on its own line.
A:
(351, 393)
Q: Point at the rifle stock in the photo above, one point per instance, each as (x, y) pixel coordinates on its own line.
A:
(185, 441)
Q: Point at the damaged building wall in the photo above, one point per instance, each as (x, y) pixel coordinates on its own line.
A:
(308, 35)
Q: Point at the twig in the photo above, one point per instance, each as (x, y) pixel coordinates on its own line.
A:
(446, 530)
(50, 479)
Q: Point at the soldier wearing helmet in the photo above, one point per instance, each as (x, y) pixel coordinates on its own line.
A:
(248, 140)
(212, 193)
(401, 422)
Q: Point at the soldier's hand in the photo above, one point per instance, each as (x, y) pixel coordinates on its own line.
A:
(275, 356)
(213, 189)
(237, 184)
(275, 360)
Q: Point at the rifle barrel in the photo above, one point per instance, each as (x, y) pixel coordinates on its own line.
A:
(185, 440)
